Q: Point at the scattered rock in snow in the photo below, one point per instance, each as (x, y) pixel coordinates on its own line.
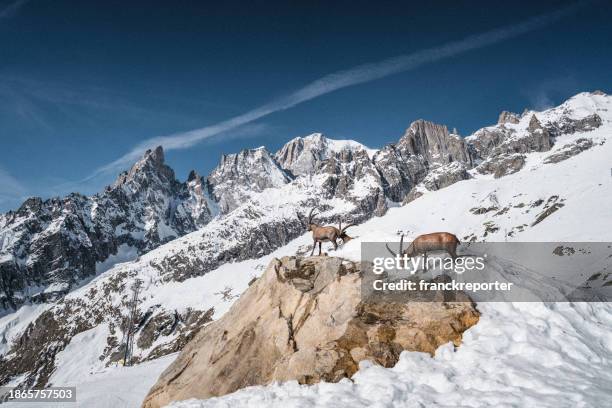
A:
(503, 165)
(569, 150)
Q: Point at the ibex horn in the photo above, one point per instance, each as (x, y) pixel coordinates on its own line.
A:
(347, 227)
(400, 246)
(311, 215)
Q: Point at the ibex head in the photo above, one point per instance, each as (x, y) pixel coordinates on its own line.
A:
(309, 224)
(342, 232)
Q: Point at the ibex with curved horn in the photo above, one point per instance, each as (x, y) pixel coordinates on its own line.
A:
(326, 233)
(436, 241)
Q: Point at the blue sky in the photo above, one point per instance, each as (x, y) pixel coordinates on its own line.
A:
(85, 86)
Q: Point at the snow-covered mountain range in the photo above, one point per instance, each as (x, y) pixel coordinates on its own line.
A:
(195, 245)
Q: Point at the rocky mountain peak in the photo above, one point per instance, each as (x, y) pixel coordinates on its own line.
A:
(304, 155)
(508, 117)
(249, 163)
(314, 138)
(31, 204)
(149, 171)
(434, 143)
(193, 175)
(534, 124)
(240, 175)
(152, 159)
(156, 155)
(301, 155)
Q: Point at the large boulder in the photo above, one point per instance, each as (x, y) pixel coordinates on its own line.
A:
(305, 320)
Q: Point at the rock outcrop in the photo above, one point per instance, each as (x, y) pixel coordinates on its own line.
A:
(501, 151)
(508, 117)
(569, 150)
(503, 164)
(305, 320)
(568, 125)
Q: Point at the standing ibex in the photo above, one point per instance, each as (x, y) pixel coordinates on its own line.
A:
(322, 234)
(436, 241)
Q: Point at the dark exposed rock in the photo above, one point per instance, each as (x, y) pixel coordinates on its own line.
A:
(433, 143)
(537, 139)
(444, 176)
(490, 228)
(568, 125)
(547, 212)
(562, 250)
(484, 141)
(502, 165)
(482, 210)
(569, 150)
(412, 195)
(507, 117)
(553, 204)
(501, 152)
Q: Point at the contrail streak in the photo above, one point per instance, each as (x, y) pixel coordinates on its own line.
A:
(11, 9)
(341, 79)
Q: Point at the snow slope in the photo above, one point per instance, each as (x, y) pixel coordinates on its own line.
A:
(107, 387)
(518, 355)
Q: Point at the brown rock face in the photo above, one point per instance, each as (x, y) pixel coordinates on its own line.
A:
(304, 320)
(507, 117)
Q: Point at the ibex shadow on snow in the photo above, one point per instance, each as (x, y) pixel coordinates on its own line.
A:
(326, 233)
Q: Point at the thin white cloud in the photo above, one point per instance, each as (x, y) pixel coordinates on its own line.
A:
(338, 80)
(90, 184)
(11, 9)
